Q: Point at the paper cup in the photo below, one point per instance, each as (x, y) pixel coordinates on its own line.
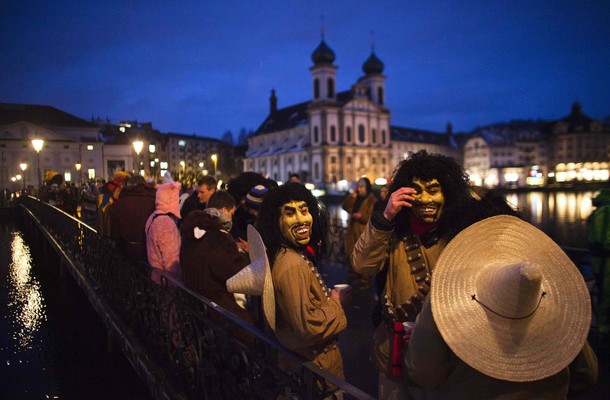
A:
(341, 286)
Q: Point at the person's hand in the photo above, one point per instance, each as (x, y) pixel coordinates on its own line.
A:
(402, 197)
(344, 296)
(407, 336)
(242, 244)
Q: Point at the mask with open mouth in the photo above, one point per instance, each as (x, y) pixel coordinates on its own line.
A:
(296, 222)
(429, 201)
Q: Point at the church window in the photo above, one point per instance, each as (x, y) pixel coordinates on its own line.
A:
(380, 95)
(316, 88)
(348, 134)
(383, 139)
(333, 133)
(316, 170)
(316, 134)
(331, 88)
(361, 135)
(374, 135)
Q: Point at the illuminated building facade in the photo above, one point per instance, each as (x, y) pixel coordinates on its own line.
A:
(331, 140)
(580, 148)
(527, 153)
(72, 146)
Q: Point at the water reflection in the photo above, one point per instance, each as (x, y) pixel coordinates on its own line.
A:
(562, 215)
(25, 302)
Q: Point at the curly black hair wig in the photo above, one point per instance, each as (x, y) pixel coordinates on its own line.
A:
(426, 167)
(461, 208)
(268, 219)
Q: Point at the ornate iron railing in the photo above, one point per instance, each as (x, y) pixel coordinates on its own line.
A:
(180, 343)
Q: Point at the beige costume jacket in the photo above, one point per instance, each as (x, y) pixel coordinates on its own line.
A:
(369, 256)
(307, 322)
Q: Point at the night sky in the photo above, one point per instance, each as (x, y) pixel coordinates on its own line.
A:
(206, 66)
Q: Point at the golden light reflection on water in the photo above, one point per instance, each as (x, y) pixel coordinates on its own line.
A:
(25, 297)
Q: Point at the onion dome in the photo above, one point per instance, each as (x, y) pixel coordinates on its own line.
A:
(323, 54)
(372, 65)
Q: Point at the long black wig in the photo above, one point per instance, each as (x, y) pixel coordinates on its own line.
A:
(268, 219)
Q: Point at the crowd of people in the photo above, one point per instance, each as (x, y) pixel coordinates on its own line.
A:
(474, 302)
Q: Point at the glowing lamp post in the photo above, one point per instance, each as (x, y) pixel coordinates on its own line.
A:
(137, 146)
(38, 145)
(183, 165)
(215, 160)
(23, 167)
(78, 166)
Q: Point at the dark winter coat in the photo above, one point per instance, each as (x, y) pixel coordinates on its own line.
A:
(207, 262)
(191, 204)
(129, 215)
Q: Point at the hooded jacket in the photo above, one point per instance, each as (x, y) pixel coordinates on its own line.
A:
(162, 234)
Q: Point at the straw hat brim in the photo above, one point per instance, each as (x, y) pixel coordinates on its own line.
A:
(514, 350)
(255, 278)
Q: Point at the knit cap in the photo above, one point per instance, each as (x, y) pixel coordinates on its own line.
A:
(255, 196)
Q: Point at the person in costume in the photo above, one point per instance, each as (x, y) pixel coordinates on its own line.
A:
(359, 205)
(507, 317)
(162, 234)
(429, 202)
(309, 315)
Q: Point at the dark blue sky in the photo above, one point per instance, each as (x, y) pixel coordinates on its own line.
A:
(208, 66)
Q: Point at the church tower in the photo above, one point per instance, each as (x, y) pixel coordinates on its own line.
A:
(323, 73)
(374, 80)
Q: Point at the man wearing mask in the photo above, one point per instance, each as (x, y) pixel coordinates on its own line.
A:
(429, 202)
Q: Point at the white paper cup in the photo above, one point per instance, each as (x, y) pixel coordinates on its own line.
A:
(341, 286)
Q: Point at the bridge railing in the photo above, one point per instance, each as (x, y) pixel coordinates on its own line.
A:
(180, 343)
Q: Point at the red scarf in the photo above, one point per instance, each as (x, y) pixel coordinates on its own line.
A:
(420, 227)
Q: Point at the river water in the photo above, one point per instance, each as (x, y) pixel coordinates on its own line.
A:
(52, 343)
(562, 215)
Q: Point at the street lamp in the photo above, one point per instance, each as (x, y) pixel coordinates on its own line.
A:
(23, 167)
(215, 160)
(137, 146)
(38, 145)
(183, 165)
(78, 166)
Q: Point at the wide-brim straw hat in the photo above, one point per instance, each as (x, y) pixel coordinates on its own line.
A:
(255, 278)
(509, 302)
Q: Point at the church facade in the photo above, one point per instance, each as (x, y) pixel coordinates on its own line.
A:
(333, 139)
